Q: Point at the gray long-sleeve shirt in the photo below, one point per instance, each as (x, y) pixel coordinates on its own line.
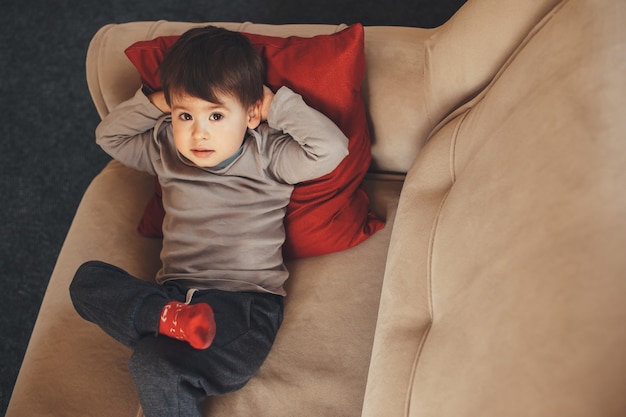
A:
(223, 228)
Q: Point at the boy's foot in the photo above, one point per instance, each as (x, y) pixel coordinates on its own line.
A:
(193, 323)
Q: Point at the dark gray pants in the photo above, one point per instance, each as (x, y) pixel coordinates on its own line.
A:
(172, 377)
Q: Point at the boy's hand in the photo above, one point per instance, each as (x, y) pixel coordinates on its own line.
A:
(158, 99)
(268, 96)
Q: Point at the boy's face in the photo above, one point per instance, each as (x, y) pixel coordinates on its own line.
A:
(208, 133)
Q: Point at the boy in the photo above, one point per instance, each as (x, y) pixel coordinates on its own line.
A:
(209, 322)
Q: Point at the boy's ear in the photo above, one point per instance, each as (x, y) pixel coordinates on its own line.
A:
(254, 115)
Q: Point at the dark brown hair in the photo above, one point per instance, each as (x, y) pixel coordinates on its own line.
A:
(208, 61)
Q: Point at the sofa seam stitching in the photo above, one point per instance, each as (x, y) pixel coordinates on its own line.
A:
(429, 291)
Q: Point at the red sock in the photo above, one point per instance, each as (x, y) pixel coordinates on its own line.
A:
(193, 323)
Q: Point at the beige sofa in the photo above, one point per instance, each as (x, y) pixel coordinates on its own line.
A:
(498, 286)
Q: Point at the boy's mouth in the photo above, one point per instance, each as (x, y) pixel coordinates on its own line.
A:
(202, 153)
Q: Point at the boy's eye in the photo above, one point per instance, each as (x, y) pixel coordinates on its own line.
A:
(185, 116)
(216, 116)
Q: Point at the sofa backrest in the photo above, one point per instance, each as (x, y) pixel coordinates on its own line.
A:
(414, 77)
(393, 89)
(506, 276)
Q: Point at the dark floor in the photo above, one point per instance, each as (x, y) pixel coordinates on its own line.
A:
(47, 152)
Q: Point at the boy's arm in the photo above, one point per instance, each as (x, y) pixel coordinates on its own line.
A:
(318, 145)
(127, 133)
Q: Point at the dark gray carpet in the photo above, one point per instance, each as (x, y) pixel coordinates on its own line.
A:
(47, 155)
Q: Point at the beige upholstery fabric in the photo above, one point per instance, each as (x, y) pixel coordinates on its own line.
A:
(504, 292)
(500, 274)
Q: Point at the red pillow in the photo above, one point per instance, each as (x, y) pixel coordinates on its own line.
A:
(330, 213)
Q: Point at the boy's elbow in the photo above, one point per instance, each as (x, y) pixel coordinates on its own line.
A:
(342, 149)
(337, 154)
(342, 153)
(101, 134)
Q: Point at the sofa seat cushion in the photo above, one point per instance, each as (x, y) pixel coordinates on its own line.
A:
(318, 365)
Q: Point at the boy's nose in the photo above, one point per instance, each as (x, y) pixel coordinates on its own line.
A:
(200, 131)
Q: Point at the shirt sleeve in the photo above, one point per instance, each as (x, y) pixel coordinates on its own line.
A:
(128, 135)
(315, 145)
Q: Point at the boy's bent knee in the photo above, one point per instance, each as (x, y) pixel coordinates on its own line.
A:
(82, 278)
(87, 279)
